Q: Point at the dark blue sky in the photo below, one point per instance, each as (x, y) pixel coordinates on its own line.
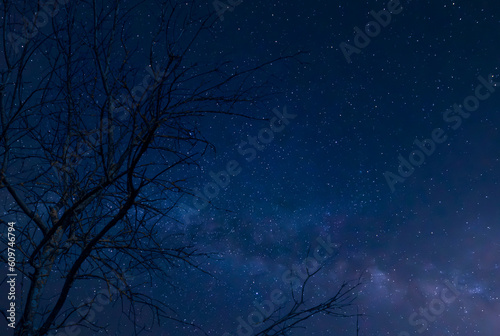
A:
(426, 247)
(324, 174)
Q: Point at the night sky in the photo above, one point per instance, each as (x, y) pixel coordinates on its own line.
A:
(331, 172)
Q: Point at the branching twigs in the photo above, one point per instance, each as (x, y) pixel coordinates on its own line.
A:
(292, 316)
(94, 150)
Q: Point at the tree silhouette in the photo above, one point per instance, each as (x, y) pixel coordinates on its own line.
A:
(93, 150)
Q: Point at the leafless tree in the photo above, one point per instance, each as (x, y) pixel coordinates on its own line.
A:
(94, 149)
(291, 315)
(288, 318)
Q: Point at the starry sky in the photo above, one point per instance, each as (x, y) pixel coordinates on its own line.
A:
(324, 175)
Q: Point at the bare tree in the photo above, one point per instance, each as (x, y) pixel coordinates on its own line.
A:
(287, 318)
(94, 149)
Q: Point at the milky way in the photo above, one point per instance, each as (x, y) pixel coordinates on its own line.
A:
(425, 242)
